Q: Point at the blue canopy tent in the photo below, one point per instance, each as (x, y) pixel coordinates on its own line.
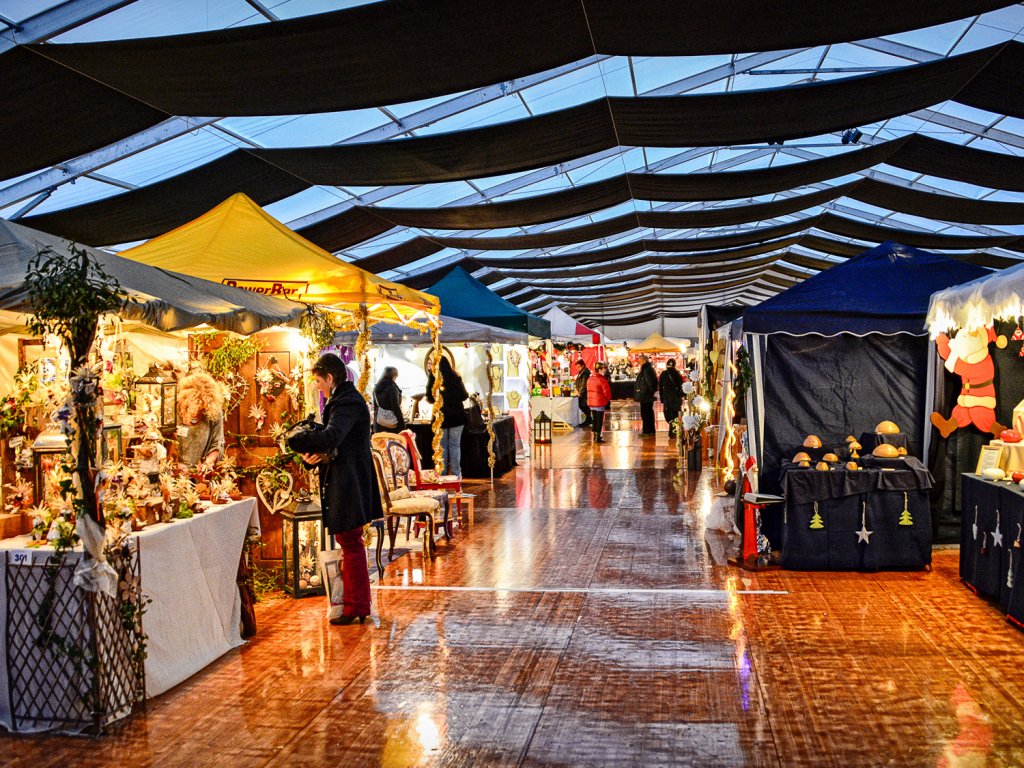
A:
(465, 297)
(844, 350)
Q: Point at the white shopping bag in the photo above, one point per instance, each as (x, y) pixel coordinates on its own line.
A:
(330, 574)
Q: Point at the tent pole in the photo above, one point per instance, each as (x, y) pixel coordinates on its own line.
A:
(490, 413)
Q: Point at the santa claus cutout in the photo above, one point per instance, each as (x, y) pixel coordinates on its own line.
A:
(967, 356)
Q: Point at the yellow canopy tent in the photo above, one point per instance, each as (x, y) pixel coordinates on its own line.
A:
(238, 243)
(655, 343)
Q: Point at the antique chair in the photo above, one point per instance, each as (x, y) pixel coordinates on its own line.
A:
(398, 505)
(398, 469)
(428, 478)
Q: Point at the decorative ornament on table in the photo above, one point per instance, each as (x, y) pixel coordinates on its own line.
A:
(816, 522)
(887, 428)
(967, 355)
(855, 447)
(864, 535)
(905, 518)
(812, 441)
(997, 534)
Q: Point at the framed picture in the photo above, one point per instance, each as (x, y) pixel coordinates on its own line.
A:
(989, 458)
(110, 446)
(45, 359)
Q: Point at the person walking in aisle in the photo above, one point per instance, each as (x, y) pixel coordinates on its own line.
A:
(453, 394)
(582, 375)
(349, 494)
(670, 389)
(599, 397)
(645, 390)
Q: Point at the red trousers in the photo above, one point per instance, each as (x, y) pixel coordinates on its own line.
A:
(355, 574)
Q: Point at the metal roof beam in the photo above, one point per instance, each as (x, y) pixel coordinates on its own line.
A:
(57, 20)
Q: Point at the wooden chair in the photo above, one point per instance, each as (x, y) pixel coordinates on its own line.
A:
(410, 507)
(398, 464)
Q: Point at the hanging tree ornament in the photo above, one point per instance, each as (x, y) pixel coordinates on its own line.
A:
(864, 534)
(997, 534)
(816, 521)
(1016, 542)
(1009, 573)
(905, 518)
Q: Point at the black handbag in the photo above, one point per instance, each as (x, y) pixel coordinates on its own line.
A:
(306, 425)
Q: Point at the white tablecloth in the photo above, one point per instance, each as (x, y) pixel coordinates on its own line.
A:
(189, 570)
(563, 409)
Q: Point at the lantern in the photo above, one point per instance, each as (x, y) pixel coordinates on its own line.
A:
(161, 388)
(542, 428)
(303, 536)
(47, 451)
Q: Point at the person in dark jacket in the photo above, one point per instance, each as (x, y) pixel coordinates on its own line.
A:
(387, 396)
(670, 390)
(349, 494)
(646, 389)
(582, 375)
(453, 395)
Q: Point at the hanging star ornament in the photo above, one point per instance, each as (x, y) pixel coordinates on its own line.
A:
(864, 534)
(997, 538)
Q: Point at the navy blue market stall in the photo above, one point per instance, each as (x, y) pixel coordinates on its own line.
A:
(844, 350)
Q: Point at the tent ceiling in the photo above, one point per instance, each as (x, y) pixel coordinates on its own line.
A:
(606, 146)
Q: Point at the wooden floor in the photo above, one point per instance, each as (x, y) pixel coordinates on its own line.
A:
(584, 622)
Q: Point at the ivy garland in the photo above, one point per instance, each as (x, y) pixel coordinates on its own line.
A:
(229, 356)
(744, 376)
(317, 327)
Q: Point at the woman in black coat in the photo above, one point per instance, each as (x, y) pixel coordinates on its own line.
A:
(646, 389)
(387, 396)
(453, 395)
(349, 494)
(670, 389)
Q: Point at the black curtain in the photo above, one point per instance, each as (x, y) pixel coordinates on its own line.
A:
(837, 386)
(405, 50)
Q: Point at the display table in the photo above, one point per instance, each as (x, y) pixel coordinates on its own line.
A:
(188, 570)
(991, 542)
(824, 511)
(623, 390)
(474, 448)
(564, 410)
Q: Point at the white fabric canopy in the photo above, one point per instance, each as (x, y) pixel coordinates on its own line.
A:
(999, 296)
(565, 327)
(454, 330)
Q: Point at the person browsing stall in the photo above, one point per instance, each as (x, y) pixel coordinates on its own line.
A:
(349, 495)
